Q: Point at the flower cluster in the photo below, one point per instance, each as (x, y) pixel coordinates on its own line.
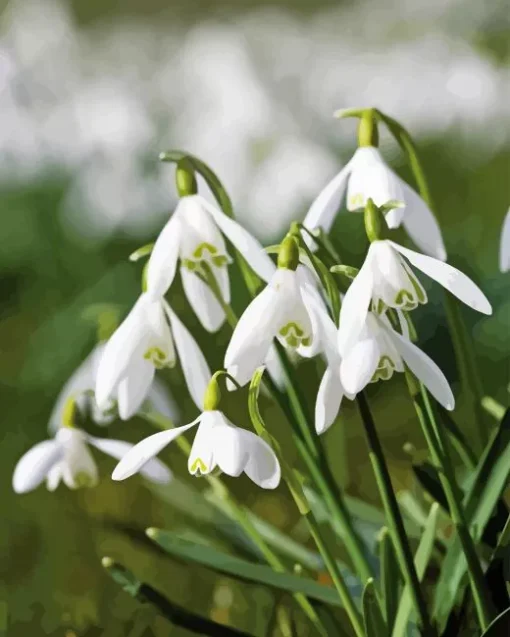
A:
(367, 341)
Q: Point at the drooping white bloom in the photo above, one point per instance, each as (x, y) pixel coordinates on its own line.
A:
(194, 235)
(287, 309)
(67, 457)
(386, 278)
(143, 343)
(504, 248)
(367, 176)
(378, 351)
(81, 385)
(218, 443)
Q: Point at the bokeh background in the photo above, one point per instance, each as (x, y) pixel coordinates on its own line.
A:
(90, 92)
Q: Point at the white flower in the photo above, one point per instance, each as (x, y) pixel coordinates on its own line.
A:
(218, 443)
(378, 351)
(386, 277)
(194, 235)
(287, 309)
(143, 343)
(366, 176)
(80, 387)
(504, 248)
(67, 457)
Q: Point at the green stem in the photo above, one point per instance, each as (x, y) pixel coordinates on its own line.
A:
(239, 513)
(211, 281)
(394, 518)
(462, 342)
(438, 444)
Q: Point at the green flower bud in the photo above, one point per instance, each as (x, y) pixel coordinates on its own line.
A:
(368, 135)
(212, 395)
(373, 221)
(288, 256)
(185, 179)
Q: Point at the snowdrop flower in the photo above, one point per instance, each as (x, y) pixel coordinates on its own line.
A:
(81, 384)
(387, 280)
(287, 309)
(143, 343)
(378, 351)
(504, 249)
(367, 176)
(217, 443)
(193, 235)
(67, 457)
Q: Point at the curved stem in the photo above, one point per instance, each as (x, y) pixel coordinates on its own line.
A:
(395, 522)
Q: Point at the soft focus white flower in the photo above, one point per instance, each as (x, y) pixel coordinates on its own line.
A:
(504, 248)
(367, 176)
(67, 457)
(143, 343)
(194, 235)
(386, 277)
(218, 443)
(378, 350)
(287, 309)
(81, 385)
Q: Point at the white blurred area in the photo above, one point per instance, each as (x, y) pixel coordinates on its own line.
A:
(253, 97)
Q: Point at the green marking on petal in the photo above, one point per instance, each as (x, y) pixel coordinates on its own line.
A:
(306, 341)
(220, 260)
(385, 369)
(83, 480)
(294, 335)
(356, 201)
(157, 357)
(292, 327)
(189, 264)
(203, 247)
(199, 466)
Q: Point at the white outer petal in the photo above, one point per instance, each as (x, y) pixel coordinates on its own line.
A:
(359, 365)
(324, 330)
(424, 368)
(329, 399)
(421, 224)
(163, 259)
(207, 309)
(258, 260)
(355, 306)
(134, 388)
(449, 277)
(194, 366)
(160, 399)
(322, 211)
(35, 464)
(154, 469)
(504, 250)
(146, 449)
(54, 477)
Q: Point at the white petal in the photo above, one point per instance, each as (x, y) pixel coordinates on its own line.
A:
(274, 367)
(201, 459)
(329, 399)
(323, 210)
(145, 450)
(323, 329)
(423, 368)
(355, 307)
(128, 341)
(253, 335)
(504, 251)
(207, 309)
(258, 260)
(359, 365)
(160, 399)
(164, 256)
(449, 277)
(78, 466)
(134, 388)
(154, 469)
(421, 224)
(194, 366)
(34, 466)
(199, 230)
(237, 450)
(54, 477)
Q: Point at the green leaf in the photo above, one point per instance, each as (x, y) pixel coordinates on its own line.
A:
(373, 619)
(458, 438)
(241, 569)
(391, 578)
(428, 478)
(483, 493)
(421, 560)
(500, 627)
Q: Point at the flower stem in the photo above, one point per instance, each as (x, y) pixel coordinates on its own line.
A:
(464, 353)
(395, 522)
(438, 444)
(238, 512)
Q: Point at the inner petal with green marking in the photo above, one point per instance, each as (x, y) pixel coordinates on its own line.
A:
(385, 369)
(357, 200)
(205, 253)
(157, 357)
(198, 467)
(294, 335)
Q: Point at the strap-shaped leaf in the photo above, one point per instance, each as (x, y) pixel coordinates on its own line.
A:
(241, 569)
(421, 560)
(375, 625)
(484, 491)
(391, 577)
(500, 627)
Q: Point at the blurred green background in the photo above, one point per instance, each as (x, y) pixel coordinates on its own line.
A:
(90, 92)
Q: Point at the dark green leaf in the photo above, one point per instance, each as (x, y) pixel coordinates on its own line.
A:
(500, 627)
(391, 577)
(373, 619)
